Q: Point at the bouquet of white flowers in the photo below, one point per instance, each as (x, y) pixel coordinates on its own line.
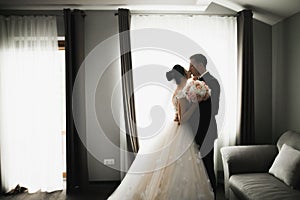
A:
(197, 91)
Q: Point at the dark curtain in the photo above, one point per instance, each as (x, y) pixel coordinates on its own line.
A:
(74, 49)
(127, 80)
(245, 134)
(0, 178)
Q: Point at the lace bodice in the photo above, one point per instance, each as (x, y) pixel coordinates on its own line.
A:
(178, 95)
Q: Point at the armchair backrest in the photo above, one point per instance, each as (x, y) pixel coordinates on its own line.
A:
(290, 138)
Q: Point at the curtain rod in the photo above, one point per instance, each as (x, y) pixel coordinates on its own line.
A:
(181, 13)
(28, 15)
(31, 13)
(166, 13)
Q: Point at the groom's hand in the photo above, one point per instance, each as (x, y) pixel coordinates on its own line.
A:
(188, 74)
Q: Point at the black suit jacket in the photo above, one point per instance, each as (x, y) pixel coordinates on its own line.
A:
(205, 124)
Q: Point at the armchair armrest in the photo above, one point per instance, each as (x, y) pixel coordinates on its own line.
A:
(246, 159)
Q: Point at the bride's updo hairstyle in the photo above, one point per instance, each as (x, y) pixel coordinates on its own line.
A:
(176, 73)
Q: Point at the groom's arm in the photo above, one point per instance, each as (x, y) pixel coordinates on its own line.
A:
(215, 95)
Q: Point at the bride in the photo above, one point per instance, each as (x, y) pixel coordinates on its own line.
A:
(169, 168)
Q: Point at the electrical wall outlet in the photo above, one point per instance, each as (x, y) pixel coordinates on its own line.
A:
(109, 161)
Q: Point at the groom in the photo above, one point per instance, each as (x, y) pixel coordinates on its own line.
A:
(206, 127)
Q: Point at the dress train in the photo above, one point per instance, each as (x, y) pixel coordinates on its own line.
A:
(168, 168)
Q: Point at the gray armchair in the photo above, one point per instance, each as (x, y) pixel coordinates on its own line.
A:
(246, 170)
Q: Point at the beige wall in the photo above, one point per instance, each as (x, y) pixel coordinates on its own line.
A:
(262, 44)
(285, 76)
(99, 26)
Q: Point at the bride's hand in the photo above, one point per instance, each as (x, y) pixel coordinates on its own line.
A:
(195, 78)
(176, 118)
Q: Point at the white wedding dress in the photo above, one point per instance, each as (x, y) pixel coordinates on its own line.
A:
(169, 168)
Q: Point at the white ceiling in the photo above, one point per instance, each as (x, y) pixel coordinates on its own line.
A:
(268, 11)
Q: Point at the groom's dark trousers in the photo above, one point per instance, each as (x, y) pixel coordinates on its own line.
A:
(207, 127)
(205, 138)
(208, 161)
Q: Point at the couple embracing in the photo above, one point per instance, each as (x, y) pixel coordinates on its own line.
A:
(178, 165)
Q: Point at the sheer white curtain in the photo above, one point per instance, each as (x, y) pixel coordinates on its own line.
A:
(218, 37)
(30, 112)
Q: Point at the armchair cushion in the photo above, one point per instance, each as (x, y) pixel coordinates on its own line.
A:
(286, 166)
(258, 186)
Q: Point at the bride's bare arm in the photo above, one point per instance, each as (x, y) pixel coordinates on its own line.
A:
(186, 109)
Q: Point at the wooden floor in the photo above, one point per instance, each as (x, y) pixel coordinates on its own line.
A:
(59, 195)
(95, 194)
(97, 191)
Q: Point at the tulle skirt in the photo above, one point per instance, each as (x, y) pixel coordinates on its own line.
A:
(168, 168)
